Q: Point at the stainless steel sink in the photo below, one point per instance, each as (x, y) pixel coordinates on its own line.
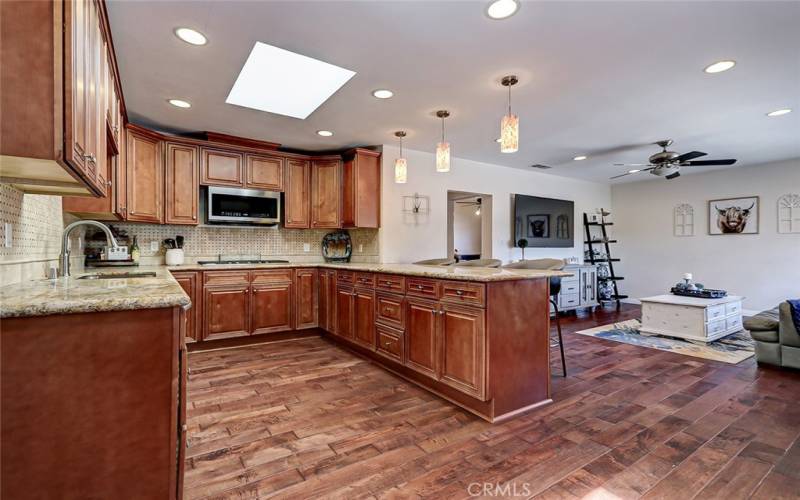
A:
(113, 276)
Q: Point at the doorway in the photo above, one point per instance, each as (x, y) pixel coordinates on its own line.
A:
(469, 225)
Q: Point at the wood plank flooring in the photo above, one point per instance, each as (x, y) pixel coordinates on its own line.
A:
(307, 419)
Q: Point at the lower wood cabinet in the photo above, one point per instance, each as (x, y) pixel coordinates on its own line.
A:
(227, 311)
(344, 311)
(389, 342)
(421, 336)
(191, 282)
(271, 307)
(306, 299)
(327, 300)
(364, 317)
(463, 344)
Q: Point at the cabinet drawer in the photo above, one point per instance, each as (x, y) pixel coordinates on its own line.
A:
(365, 280)
(715, 312)
(568, 300)
(226, 277)
(733, 323)
(570, 287)
(390, 309)
(422, 288)
(716, 327)
(348, 277)
(462, 292)
(272, 276)
(733, 308)
(390, 343)
(390, 283)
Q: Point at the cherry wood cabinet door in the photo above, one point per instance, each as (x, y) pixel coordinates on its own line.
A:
(421, 336)
(191, 284)
(298, 183)
(307, 298)
(344, 312)
(364, 317)
(463, 347)
(182, 184)
(323, 297)
(76, 96)
(361, 189)
(271, 307)
(145, 178)
(325, 193)
(227, 311)
(264, 172)
(220, 168)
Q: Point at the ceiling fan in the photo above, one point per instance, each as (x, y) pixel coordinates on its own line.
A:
(668, 163)
(477, 203)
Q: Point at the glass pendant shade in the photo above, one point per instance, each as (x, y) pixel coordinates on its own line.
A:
(443, 157)
(509, 134)
(400, 171)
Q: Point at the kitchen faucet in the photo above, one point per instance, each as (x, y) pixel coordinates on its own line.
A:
(64, 257)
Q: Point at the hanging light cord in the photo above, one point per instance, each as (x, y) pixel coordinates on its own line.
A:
(401, 146)
(509, 99)
(443, 129)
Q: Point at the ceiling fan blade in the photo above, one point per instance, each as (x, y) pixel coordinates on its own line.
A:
(672, 176)
(633, 164)
(620, 175)
(630, 173)
(700, 163)
(689, 156)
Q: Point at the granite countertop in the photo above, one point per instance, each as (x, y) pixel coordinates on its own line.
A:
(73, 295)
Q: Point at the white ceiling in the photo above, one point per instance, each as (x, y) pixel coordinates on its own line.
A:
(602, 79)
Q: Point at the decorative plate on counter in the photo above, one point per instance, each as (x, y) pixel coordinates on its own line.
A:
(337, 247)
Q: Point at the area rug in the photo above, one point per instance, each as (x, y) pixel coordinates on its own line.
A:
(732, 349)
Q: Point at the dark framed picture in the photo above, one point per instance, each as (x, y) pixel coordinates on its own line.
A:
(733, 216)
(539, 226)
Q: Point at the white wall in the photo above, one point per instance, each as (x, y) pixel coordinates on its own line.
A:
(407, 238)
(466, 229)
(765, 267)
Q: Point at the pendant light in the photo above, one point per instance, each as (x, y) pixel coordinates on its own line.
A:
(443, 148)
(509, 125)
(400, 164)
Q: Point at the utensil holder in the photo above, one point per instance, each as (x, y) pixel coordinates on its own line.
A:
(174, 256)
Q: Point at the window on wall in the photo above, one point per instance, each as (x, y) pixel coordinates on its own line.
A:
(684, 220)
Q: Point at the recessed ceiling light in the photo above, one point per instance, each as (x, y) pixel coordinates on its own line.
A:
(180, 103)
(720, 66)
(382, 93)
(324, 133)
(634, 171)
(779, 112)
(191, 36)
(502, 9)
(579, 158)
(282, 82)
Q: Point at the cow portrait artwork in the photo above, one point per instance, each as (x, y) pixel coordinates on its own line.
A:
(733, 216)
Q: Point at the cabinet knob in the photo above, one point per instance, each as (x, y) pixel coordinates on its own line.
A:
(419, 287)
(194, 217)
(441, 312)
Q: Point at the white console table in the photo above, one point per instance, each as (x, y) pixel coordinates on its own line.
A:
(690, 318)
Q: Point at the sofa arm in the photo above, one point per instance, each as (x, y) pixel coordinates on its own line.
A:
(787, 333)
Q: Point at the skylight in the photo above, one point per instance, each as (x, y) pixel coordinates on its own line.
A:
(282, 82)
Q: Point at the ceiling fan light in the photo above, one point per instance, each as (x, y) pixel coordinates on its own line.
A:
(634, 171)
(719, 66)
(509, 134)
(779, 112)
(400, 171)
(443, 157)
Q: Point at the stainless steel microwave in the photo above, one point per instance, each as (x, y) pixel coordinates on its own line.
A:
(243, 206)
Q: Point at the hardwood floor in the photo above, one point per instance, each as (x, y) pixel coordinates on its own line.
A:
(307, 419)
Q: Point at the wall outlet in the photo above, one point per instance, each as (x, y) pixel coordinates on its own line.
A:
(306, 247)
(8, 230)
(360, 248)
(154, 246)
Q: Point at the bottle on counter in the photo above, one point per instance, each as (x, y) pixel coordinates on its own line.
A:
(135, 250)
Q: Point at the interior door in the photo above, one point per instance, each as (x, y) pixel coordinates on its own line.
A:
(421, 336)
(463, 346)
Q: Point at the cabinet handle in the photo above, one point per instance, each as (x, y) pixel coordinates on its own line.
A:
(459, 292)
(91, 158)
(183, 427)
(441, 312)
(420, 287)
(194, 217)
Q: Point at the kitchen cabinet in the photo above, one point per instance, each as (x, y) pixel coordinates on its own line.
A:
(264, 172)
(227, 311)
(364, 317)
(182, 184)
(422, 327)
(462, 348)
(389, 342)
(344, 311)
(306, 299)
(580, 289)
(271, 307)
(361, 189)
(327, 300)
(144, 176)
(297, 205)
(191, 281)
(390, 310)
(325, 192)
(220, 168)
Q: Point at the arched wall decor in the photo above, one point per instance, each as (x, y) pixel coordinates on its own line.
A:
(683, 219)
(789, 213)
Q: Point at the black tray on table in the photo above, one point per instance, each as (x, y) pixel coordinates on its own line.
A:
(704, 293)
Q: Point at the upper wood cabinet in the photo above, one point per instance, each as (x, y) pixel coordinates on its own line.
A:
(145, 177)
(264, 172)
(182, 184)
(361, 189)
(307, 298)
(326, 177)
(297, 205)
(221, 168)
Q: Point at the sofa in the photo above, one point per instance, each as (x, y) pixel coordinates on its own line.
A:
(777, 339)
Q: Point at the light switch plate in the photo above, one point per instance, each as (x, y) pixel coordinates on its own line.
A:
(360, 248)
(154, 246)
(8, 230)
(306, 247)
